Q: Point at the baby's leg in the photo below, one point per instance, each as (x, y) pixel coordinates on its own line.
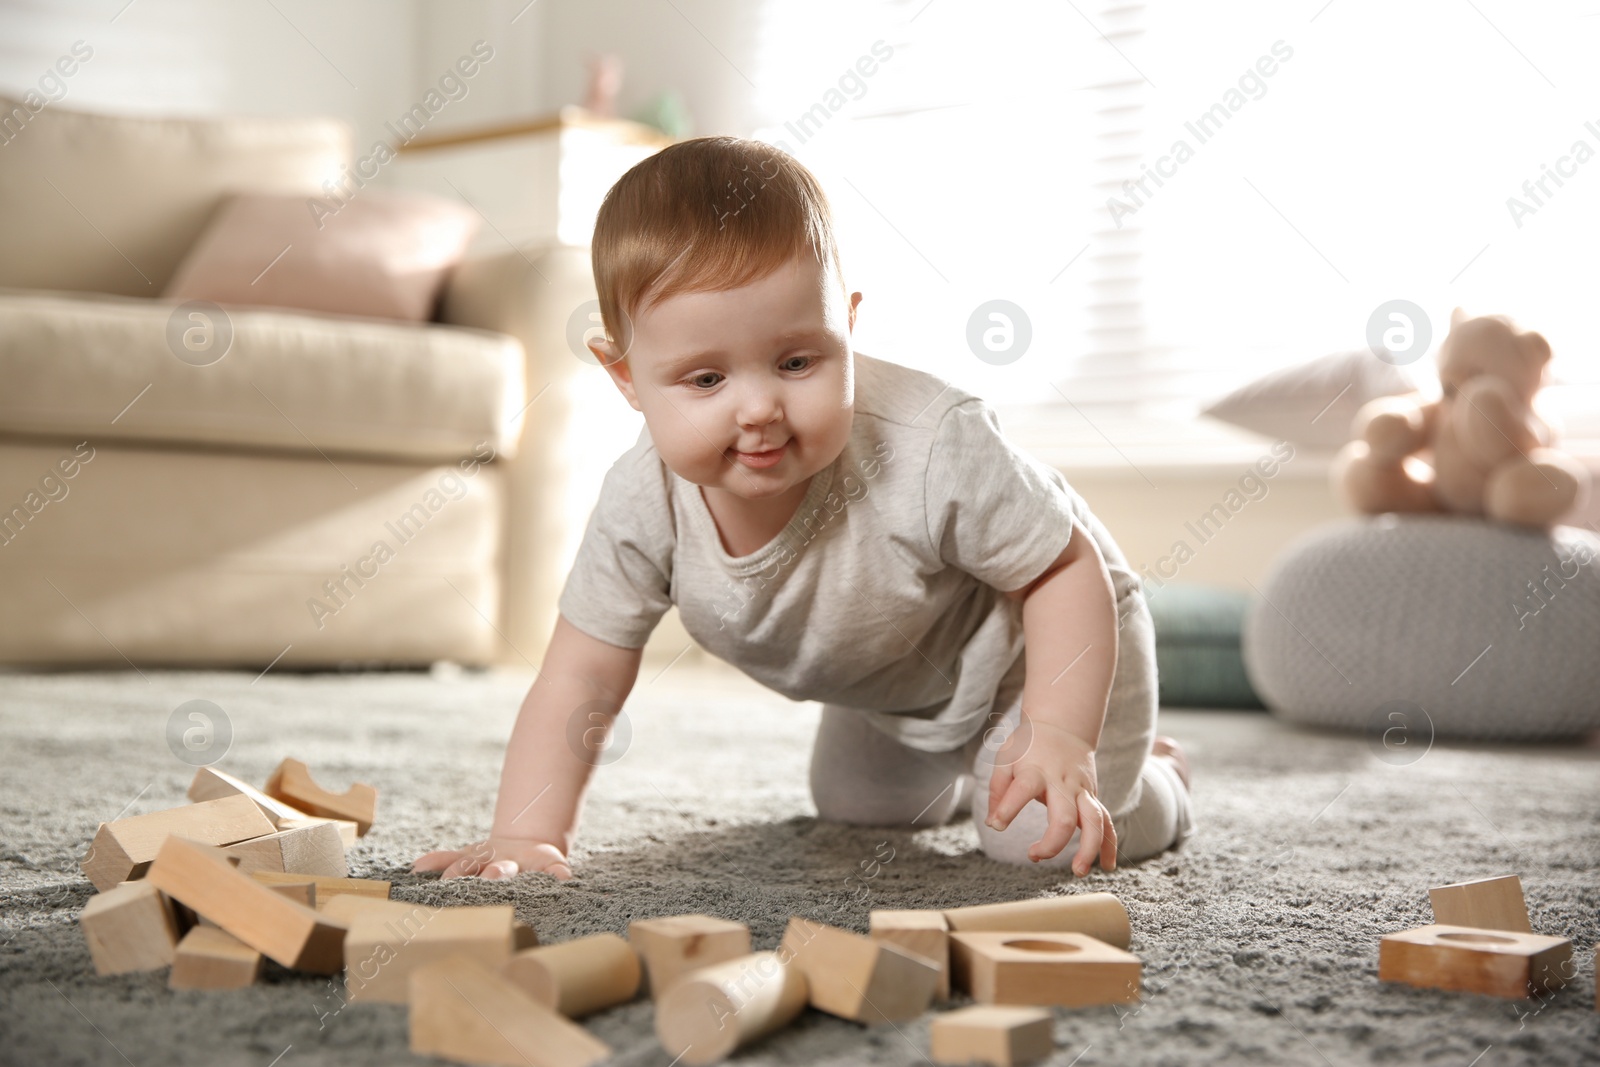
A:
(859, 774)
(1148, 800)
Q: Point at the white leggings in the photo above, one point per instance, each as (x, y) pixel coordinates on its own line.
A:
(861, 775)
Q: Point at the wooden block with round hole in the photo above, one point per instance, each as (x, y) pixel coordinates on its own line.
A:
(129, 927)
(385, 945)
(924, 932)
(1488, 903)
(212, 958)
(293, 785)
(463, 1011)
(578, 977)
(1045, 967)
(708, 1013)
(857, 977)
(673, 945)
(999, 1035)
(1099, 915)
(1499, 963)
(123, 849)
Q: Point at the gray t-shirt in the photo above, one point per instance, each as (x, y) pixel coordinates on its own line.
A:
(882, 594)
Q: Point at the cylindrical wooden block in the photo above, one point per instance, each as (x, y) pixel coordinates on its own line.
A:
(579, 976)
(710, 1012)
(1100, 915)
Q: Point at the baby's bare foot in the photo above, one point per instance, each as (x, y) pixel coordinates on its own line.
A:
(1168, 748)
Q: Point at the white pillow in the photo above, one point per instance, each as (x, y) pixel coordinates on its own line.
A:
(1314, 403)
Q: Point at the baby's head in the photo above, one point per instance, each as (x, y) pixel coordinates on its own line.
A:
(726, 316)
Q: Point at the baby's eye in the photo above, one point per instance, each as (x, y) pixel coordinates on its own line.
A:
(708, 380)
(797, 363)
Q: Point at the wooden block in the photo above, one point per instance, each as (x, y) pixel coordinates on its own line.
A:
(925, 933)
(299, 892)
(1100, 915)
(383, 947)
(578, 977)
(1501, 963)
(212, 784)
(1069, 969)
(463, 1011)
(292, 783)
(523, 937)
(311, 849)
(996, 1034)
(344, 909)
(211, 958)
(1488, 903)
(708, 1013)
(292, 934)
(328, 888)
(122, 850)
(857, 977)
(346, 827)
(129, 927)
(676, 944)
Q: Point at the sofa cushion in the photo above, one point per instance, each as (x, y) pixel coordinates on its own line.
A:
(119, 368)
(110, 203)
(382, 254)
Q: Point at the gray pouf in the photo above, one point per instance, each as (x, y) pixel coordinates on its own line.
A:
(1413, 626)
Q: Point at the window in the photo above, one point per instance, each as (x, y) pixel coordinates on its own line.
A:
(1337, 156)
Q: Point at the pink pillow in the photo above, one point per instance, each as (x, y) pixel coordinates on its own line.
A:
(383, 254)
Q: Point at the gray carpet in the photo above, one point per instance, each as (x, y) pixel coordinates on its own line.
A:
(1259, 937)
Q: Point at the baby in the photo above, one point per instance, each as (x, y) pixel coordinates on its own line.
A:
(842, 529)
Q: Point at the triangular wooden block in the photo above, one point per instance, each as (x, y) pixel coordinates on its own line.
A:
(212, 784)
(123, 849)
(856, 977)
(463, 1011)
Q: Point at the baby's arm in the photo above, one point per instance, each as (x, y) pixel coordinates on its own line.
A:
(1069, 622)
(544, 776)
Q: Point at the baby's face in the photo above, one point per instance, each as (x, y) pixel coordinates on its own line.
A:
(748, 390)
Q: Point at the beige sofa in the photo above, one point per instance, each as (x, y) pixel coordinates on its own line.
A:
(330, 491)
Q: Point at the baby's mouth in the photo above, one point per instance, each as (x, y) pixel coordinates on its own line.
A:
(761, 460)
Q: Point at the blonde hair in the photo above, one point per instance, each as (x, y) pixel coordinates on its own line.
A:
(705, 215)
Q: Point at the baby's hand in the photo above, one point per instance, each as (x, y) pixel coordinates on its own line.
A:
(498, 857)
(1041, 761)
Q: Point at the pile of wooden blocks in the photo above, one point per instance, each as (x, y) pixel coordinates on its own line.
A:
(502, 1004)
(1480, 941)
(212, 887)
(241, 875)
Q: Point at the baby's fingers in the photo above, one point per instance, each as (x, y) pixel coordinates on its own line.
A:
(1005, 801)
(1058, 831)
(1108, 847)
(1094, 826)
(998, 784)
(437, 860)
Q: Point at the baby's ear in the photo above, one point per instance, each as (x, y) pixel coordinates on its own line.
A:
(1534, 347)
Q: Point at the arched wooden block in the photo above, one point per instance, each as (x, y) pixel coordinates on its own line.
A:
(292, 783)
